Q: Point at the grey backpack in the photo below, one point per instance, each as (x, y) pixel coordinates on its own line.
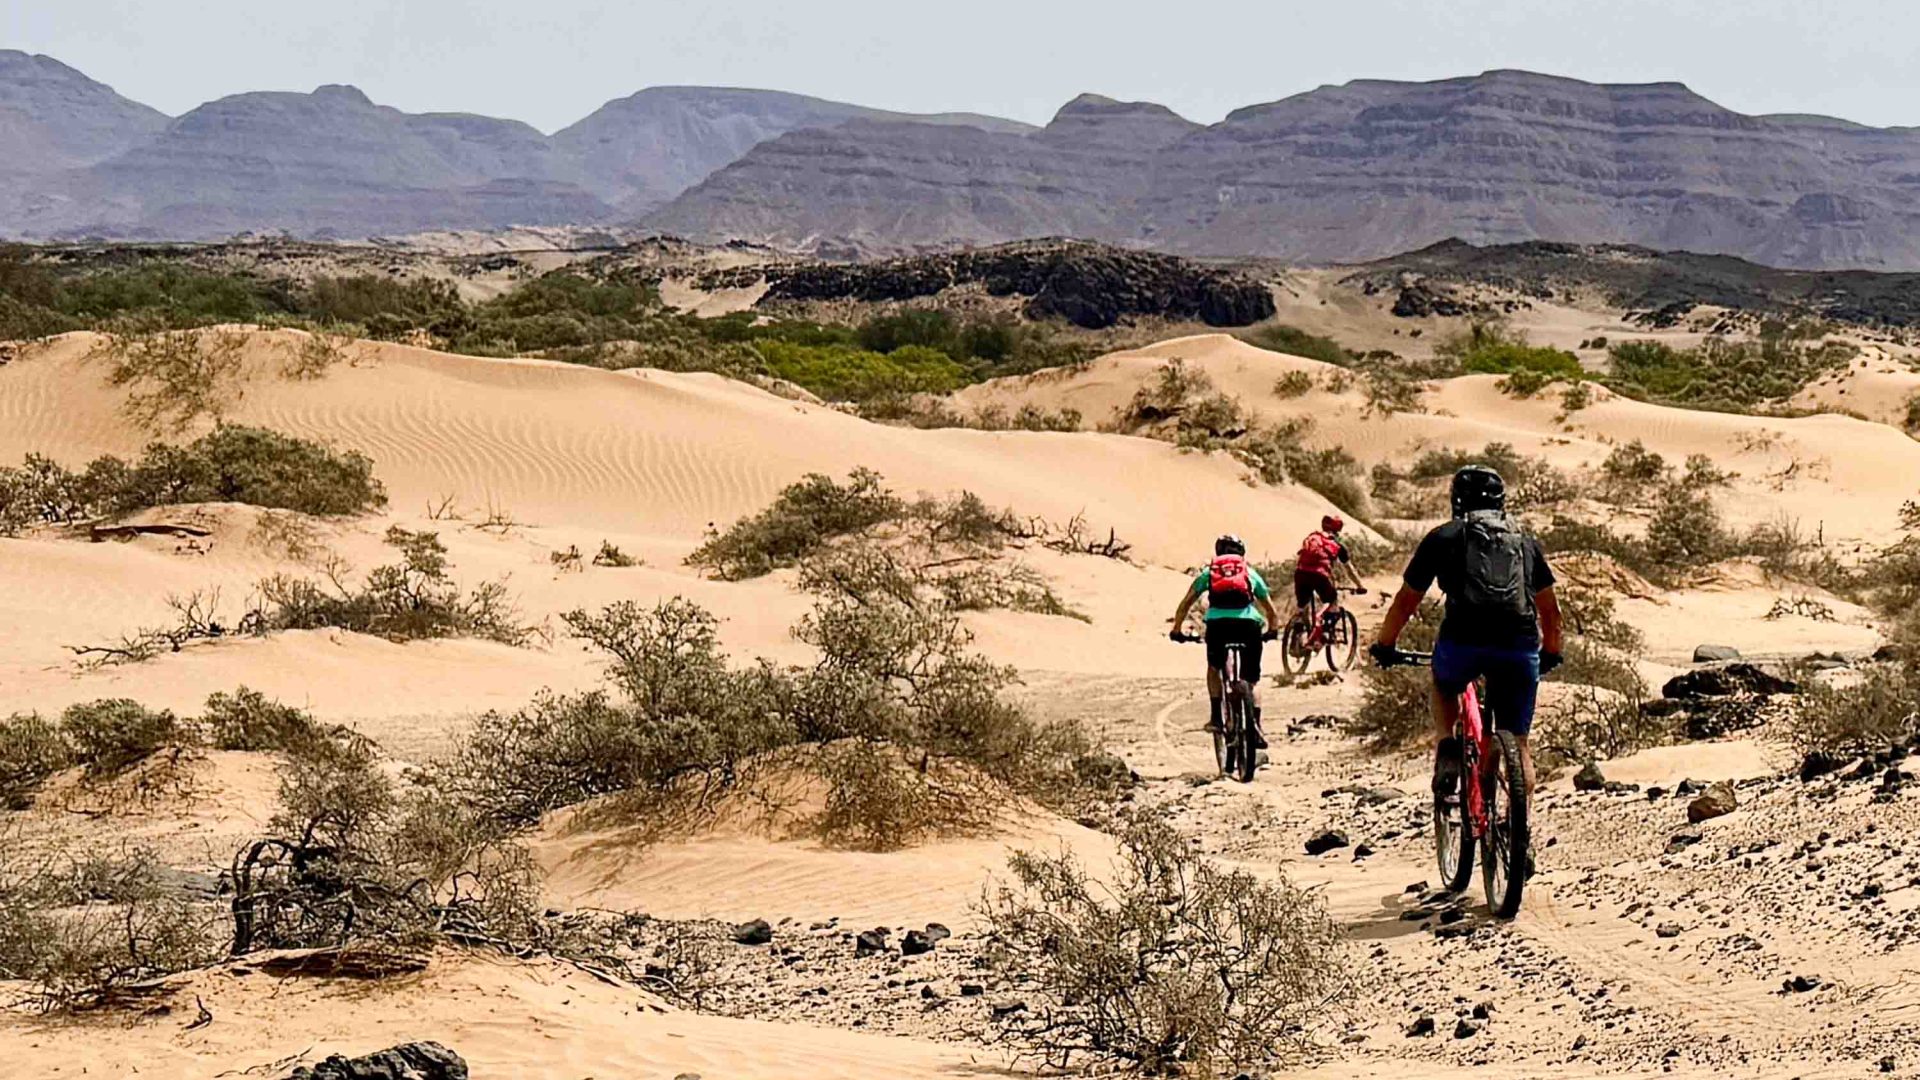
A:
(1494, 580)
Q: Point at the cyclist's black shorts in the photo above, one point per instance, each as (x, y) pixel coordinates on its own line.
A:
(1245, 632)
(1308, 584)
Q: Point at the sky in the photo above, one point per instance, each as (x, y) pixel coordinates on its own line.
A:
(551, 62)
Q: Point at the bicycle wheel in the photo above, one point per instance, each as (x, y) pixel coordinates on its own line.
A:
(1296, 652)
(1343, 641)
(1245, 757)
(1453, 839)
(1222, 741)
(1503, 859)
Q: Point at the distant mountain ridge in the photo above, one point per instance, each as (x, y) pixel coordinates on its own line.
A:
(1355, 172)
(1341, 173)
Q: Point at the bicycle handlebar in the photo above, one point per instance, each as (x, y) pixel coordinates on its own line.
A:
(1402, 658)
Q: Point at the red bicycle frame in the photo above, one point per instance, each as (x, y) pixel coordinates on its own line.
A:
(1471, 730)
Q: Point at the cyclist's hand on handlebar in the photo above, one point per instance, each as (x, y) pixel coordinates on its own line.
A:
(1549, 661)
(1270, 634)
(1359, 590)
(1384, 655)
(1175, 635)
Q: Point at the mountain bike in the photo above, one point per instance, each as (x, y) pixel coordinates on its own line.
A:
(1488, 811)
(1233, 748)
(1310, 631)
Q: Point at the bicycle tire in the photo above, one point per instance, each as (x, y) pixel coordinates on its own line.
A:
(1503, 858)
(1344, 644)
(1246, 758)
(1453, 841)
(1295, 656)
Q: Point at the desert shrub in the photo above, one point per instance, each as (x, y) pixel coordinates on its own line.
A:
(414, 599)
(1524, 382)
(1293, 384)
(32, 749)
(1718, 374)
(387, 307)
(1172, 386)
(249, 720)
(77, 926)
(175, 377)
(1686, 531)
(1600, 714)
(1865, 717)
(229, 464)
(350, 861)
(1294, 341)
(611, 556)
(1177, 966)
(1575, 398)
(111, 735)
(1631, 469)
(802, 517)
(1910, 420)
(1392, 390)
(840, 373)
(1493, 349)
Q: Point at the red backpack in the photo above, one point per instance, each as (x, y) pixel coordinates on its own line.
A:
(1317, 553)
(1229, 583)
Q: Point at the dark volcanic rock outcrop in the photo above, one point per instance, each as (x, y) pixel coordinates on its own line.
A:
(1086, 284)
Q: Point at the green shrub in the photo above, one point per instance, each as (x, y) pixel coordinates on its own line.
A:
(1294, 341)
(388, 307)
(110, 735)
(414, 599)
(1492, 349)
(1293, 384)
(1733, 376)
(803, 516)
(840, 373)
(248, 720)
(32, 749)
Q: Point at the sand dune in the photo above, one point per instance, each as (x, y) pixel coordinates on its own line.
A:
(1828, 472)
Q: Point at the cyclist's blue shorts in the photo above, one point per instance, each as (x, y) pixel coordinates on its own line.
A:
(1513, 679)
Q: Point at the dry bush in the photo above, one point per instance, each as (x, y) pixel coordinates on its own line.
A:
(289, 534)
(350, 862)
(1865, 717)
(175, 377)
(569, 560)
(1396, 711)
(1175, 967)
(613, 557)
(316, 354)
(1293, 384)
(415, 599)
(76, 927)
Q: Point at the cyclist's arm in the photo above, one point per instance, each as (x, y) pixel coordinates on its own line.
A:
(1353, 575)
(1405, 603)
(1186, 605)
(1548, 605)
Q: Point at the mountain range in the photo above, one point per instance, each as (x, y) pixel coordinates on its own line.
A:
(1341, 173)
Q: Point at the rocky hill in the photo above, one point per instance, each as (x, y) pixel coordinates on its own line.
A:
(1359, 171)
(53, 117)
(640, 151)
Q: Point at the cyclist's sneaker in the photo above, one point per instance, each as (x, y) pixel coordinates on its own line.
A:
(1213, 719)
(1259, 734)
(1446, 770)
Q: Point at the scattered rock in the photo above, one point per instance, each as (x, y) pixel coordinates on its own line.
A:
(409, 1061)
(1667, 930)
(1709, 654)
(1801, 984)
(1724, 681)
(1421, 1028)
(1718, 801)
(870, 942)
(1361, 851)
(916, 942)
(1817, 764)
(1324, 842)
(1465, 1029)
(972, 989)
(1380, 796)
(757, 932)
(1590, 778)
(1004, 1009)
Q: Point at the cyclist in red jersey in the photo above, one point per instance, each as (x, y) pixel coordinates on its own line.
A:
(1313, 569)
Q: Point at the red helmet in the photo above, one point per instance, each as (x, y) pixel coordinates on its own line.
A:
(1332, 523)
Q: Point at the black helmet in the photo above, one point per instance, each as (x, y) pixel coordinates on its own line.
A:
(1229, 545)
(1477, 487)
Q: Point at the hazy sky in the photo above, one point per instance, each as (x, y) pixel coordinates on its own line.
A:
(550, 62)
